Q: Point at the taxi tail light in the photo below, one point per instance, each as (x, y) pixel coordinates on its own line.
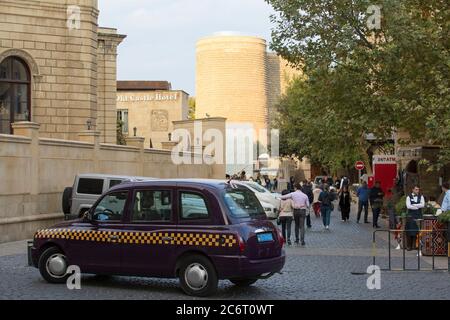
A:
(281, 238)
(241, 245)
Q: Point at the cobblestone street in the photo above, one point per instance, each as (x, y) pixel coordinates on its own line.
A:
(332, 266)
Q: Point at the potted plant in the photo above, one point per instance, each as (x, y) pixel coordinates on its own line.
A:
(400, 208)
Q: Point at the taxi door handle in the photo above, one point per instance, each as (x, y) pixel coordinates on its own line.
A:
(114, 238)
(166, 239)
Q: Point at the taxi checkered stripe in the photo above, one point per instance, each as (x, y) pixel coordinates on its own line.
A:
(180, 238)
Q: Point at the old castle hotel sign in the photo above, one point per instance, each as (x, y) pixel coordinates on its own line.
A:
(173, 96)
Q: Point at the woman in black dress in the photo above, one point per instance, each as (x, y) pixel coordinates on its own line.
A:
(345, 201)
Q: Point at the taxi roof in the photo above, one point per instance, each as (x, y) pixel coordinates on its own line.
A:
(214, 183)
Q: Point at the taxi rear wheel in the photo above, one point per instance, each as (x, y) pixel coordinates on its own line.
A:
(198, 276)
(243, 282)
(53, 265)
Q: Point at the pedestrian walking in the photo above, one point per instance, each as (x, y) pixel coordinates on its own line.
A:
(286, 217)
(376, 197)
(345, 202)
(316, 203)
(275, 184)
(268, 184)
(301, 204)
(363, 202)
(326, 199)
(307, 189)
(415, 202)
(291, 184)
(345, 182)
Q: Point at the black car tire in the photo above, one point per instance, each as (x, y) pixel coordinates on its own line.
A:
(194, 263)
(67, 200)
(43, 260)
(243, 282)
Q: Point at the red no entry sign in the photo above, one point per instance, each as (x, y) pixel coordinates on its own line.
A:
(360, 165)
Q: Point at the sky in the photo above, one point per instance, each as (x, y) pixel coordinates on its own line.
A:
(162, 34)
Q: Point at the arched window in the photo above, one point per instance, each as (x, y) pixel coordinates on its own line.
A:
(15, 92)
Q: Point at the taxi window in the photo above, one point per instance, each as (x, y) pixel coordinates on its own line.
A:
(111, 207)
(151, 205)
(193, 207)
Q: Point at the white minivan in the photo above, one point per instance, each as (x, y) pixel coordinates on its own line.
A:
(87, 188)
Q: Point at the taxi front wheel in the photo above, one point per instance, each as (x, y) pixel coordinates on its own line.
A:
(53, 265)
(198, 276)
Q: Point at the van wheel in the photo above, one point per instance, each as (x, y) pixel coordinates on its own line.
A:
(53, 265)
(66, 200)
(198, 276)
(243, 282)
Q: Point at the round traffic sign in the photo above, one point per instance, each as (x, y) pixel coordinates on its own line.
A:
(360, 165)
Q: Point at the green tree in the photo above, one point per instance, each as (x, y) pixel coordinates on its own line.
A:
(120, 135)
(191, 103)
(360, 81)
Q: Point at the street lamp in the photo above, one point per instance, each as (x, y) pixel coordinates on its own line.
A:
(135, 131)
(89, 124)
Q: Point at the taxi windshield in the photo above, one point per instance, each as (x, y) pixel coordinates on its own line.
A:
(243, 203)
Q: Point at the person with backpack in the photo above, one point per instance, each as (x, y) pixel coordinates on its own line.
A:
(326, 199)
(316, 204)
(286, 217)
(307, 189)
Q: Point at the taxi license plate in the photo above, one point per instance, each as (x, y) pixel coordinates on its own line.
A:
(265, 237)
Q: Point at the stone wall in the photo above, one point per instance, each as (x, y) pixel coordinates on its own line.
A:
(36, 170)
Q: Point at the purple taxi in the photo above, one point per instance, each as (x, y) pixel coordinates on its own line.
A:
(197, 230)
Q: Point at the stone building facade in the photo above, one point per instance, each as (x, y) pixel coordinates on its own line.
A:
(71, 67)
(150, 107)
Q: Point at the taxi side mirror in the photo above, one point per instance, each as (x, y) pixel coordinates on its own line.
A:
(88, 215)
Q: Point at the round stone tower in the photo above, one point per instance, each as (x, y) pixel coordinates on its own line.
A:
(232, 79)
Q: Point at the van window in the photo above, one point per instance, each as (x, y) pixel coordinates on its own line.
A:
(113, 183)
(151, 205)
(90, 186)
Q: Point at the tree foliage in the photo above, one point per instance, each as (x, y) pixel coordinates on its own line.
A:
(192, 105)
(357, 80)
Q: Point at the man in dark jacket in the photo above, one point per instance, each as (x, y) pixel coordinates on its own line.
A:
(307, 189)
(376, 197)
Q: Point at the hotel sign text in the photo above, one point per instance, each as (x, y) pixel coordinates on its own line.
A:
(149, 97)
